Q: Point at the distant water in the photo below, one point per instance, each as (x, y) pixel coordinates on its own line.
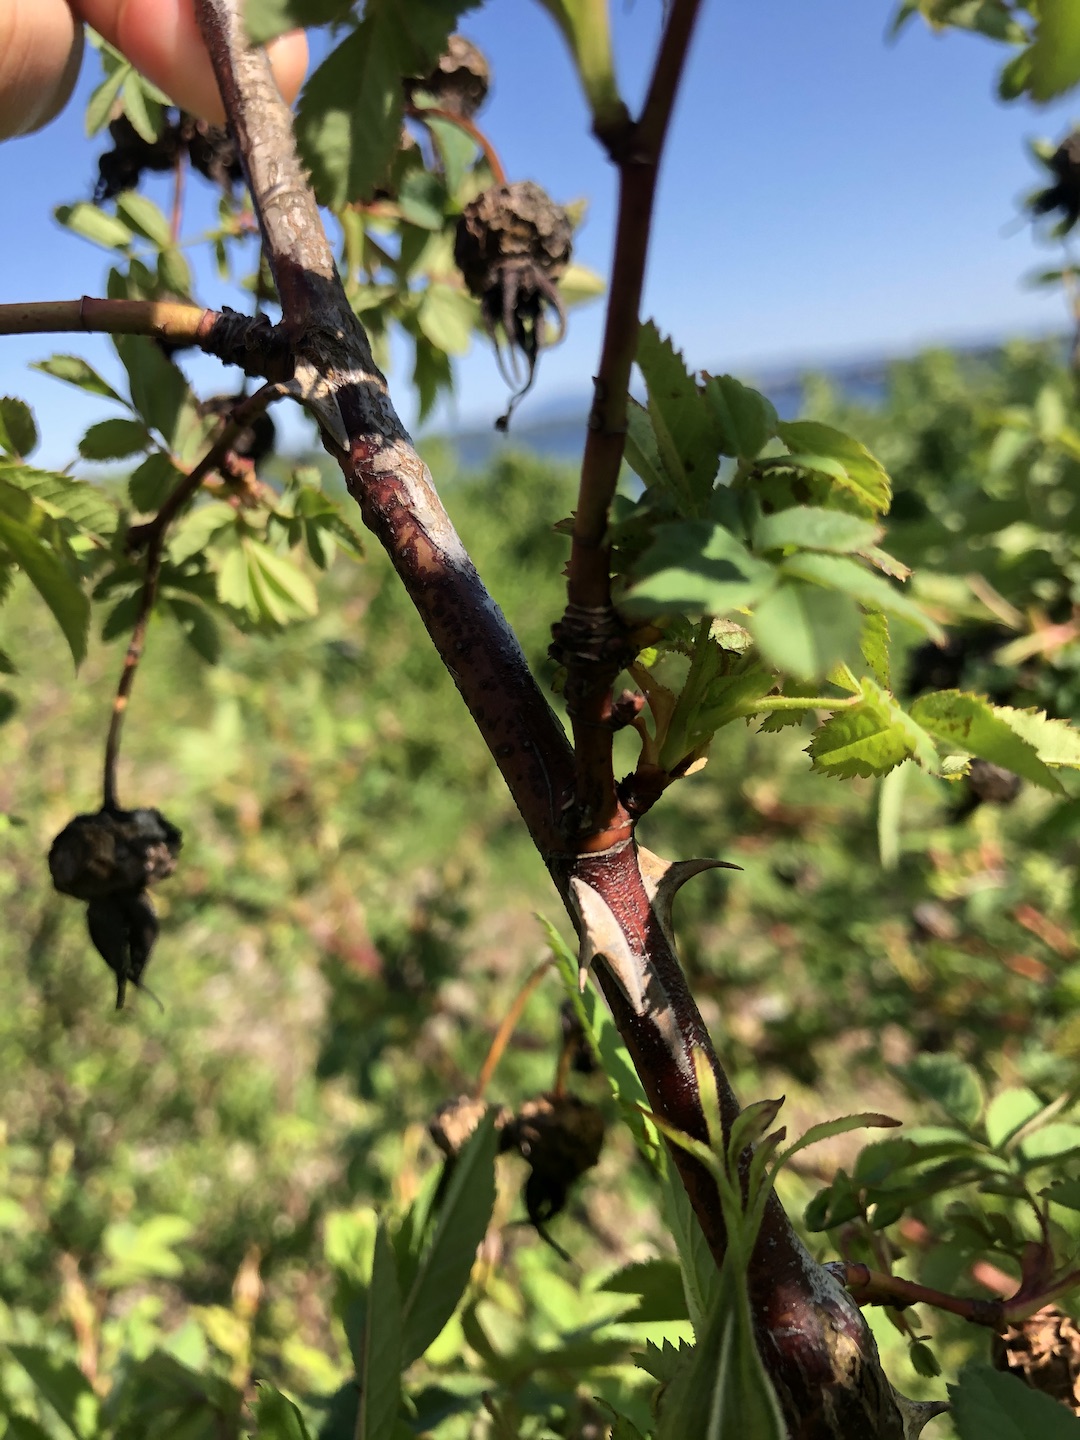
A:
(561, 432)
(561, 435)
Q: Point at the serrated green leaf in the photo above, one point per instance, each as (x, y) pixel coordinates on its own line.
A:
(422, 200)
(870, 738)
(198, 626)
(814, 445)
(52, 580)
(687, 435)
(143, 105)
(152, 481)
(1055, 53)
(724, 1392)
(988, 1405)
(695, 568)
(141, 215)
(192, 534)
(159, 391)
(949, 1081)
(841, 572)
(1056, 742)
(280, 589)
(642, 454)
(113, 440)
(93, 224)
(58, 495)
(61, 1384)
(234, 582)
(658, 1287)
(1007, 1112)
(808, 528)
(379, 1371)
(874, 644)
(268, 18)
(747, 420)
(75, 371)
(970, 722)
(447, 317)
(99, 106)
(445, 1267)
(348, 122)
(18, 430)
(174, 272)
(276, 1417)
(804, 629)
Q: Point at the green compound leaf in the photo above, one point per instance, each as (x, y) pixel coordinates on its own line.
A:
(988, 1405)
(447, 316)
(970, 722)
(114, 440)
(276, 1417)
(348, 123)
(804, 629)
(444, 1269)
(687, 434)
(49, 576)
(1056, 742)
(815, 446)
(871, 738)
(269, 18)
(18, 429)
(746, 419)
(949, 1082)
(806, 527)
(85, 505)
(841, 572)
(75, 371)
(696, 568)
(1055, 55)
(379, 1372)
(93, 224)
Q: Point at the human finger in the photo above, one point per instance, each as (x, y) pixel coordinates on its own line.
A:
(161, 38)
(41, 46)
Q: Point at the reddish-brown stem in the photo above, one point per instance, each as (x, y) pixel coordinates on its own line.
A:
(590, 639)
(872, 1287)
(432, 112)
(507, 1026)
(151, 537)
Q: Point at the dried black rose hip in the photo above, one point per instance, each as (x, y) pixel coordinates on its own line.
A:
(123, 929)
(121, 168)
(561, 1137)
(108, 859)
(256, 441)
(512, 244)
(454, 1124)
(1064, 195)
(113, 852)
(460, 81)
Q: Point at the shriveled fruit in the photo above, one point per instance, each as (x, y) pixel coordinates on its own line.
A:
(512, 244)
(109, 859)
(460, 80)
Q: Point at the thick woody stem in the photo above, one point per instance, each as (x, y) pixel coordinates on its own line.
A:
(815, 1344)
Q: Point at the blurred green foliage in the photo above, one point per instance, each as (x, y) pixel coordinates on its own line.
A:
(190, 1200)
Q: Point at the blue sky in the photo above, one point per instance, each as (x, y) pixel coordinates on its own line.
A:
(825, 195)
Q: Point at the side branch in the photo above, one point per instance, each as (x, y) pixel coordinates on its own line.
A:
(600, 818)
(151, 538)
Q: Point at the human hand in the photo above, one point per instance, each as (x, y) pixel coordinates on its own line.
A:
(41, 45)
